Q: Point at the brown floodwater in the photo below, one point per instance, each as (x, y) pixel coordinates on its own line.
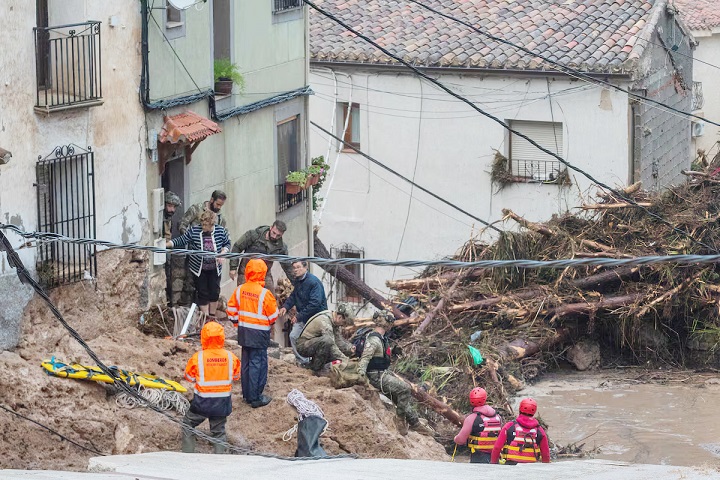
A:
(632, 416)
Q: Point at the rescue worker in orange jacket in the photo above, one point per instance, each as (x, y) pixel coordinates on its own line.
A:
(253, 310)
(213, 369)
(523, 440)
(480, 429)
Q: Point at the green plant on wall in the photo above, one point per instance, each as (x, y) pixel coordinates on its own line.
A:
(224, 69)
(318, 166)
(299, 177)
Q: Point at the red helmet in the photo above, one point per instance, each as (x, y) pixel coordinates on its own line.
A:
(528, 406)
(477, 397)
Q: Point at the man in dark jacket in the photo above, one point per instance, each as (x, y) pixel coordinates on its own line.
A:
(267, 240)
(308, 298)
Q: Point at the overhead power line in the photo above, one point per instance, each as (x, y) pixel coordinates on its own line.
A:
(419, 187)
(454, 264)
(441, 86)
(559, 65)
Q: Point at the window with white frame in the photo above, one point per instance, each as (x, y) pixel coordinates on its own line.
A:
(174, 21)
(350, 133)
(527, 162)
(280, 6)
(344, 293)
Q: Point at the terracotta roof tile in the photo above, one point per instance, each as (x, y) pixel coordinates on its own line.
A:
(699, 14)
(600, 32)
(187, 127)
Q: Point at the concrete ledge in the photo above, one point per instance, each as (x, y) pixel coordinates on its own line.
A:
(179, 466)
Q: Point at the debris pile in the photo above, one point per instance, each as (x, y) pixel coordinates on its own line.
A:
(523, 321)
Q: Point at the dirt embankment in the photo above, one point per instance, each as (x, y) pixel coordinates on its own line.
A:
(106, 318)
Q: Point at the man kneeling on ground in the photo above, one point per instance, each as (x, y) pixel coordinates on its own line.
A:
(374, 363)
(321, 340)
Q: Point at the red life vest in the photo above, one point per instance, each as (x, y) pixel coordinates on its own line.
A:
(522, 444)
(484, 432)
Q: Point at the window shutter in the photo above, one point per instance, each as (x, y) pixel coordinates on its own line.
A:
(547, 134)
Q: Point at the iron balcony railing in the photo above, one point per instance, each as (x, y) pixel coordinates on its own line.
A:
(697, 96)
(286, 200)
(283, 5)
(68, 66)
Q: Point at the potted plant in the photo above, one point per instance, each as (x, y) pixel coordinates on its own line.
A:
(226, 74)
(295, 182)
(314, 172)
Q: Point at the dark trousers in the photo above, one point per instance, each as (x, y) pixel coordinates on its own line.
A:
(217, 430)
(480, 457)
(253, 374)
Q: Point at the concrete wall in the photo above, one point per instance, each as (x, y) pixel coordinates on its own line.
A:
(448, 148)
(662, 138)
(708, 51)
(114, 130)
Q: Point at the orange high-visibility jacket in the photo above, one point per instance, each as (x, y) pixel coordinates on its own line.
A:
(252, 308)
(213, 369)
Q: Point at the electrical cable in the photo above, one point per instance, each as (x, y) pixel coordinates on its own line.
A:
(419, 187)
(685, 259)
(91, 450)
(555, 63)
(441, 86)
(15, 262)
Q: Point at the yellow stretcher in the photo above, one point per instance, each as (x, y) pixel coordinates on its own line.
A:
(60, 369)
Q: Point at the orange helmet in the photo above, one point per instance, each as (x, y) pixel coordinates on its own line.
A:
(477, 397)
(528, 406)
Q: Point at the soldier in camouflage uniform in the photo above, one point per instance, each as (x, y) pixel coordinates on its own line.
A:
(215, 204)
(374, 364)
(172, 202)
(321, 340)
(267, 240)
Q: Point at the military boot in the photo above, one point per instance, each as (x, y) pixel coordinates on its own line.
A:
(401, 425)
(421, 426)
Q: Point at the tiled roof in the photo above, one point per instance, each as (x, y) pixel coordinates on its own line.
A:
(187, 127)
(591, 35)
(699, 14)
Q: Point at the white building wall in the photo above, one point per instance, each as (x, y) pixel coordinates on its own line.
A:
(708, 52)
(114, 130)
(448, 148)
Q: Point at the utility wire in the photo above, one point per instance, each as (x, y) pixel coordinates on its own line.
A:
(503, 124)
(557, 64)
(25, 278)
(91, 450)
(419, 187)
(688, 259)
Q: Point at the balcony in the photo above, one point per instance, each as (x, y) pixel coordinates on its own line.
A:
(697, 96)
(287, 200)
(68, 67)
(280, 6)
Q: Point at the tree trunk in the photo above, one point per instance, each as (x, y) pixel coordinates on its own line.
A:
(351, 280)
(438, 406)
(438, 308)
(587, 307)
(535, 227)
(421, 284)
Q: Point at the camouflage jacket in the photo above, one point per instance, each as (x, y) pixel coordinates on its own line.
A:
(321, 325)
(373, 348)
(192, 217)
(255, 241)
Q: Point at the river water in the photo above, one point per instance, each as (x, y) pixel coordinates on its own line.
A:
(651, 417)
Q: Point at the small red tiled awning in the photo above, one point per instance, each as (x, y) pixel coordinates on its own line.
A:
(183, 131)
(187, 127)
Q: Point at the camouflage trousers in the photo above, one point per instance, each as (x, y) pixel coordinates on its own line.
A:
(398, 391)
(320, 350)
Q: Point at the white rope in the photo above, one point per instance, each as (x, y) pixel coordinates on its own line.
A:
(163, 399)
(305, 407)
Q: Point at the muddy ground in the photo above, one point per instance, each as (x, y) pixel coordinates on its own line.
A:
(106, 315)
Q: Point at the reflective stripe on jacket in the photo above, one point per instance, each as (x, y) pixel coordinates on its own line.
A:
(253, 308)
(213, 369)
(523, 448)
(485, 431)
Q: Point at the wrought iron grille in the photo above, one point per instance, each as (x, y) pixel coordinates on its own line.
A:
(66, 206)
(697, 96)
(283, 5)
(286, 200)
(342, 292)
(536, 170)
(68, 65)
